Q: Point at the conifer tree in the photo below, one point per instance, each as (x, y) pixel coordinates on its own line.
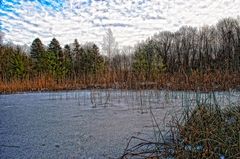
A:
(68, 62)
(37, 51)
(57, 58)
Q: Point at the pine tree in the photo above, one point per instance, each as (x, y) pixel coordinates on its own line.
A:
(76, 48)
(55, 47)
(37, 49)
(57, 58)
(78, 54)
(91, 61)
(37, 54)
(19, 64)
(68, 62)
(98, 59)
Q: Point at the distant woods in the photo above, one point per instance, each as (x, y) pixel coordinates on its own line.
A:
(190, 49)
(187, 53)
(55, 61)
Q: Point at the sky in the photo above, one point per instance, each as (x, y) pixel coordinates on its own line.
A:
(131, 21)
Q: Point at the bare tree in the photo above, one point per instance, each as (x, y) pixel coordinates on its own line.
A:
(163, 42)
(127, 53)
(1, 37)
(110, 46)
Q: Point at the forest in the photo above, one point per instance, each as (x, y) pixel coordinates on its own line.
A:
(205, 58)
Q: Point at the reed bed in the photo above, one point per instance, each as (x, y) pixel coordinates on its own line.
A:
(209, 81)
(205, 131)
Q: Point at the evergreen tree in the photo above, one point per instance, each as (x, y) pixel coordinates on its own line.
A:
(51, 63)
(98, 59)
(19, 64)
(57, 58)
(55, 47)
(77, 53)
(76, 48)
(68, 62)
(91, 61)
(147, 62)
(37, 52)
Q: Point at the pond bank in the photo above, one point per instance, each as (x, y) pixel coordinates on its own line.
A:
(194, 82)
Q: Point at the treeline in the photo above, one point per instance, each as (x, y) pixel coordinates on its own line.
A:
(185, 58)
(59, 63)
(191, 49)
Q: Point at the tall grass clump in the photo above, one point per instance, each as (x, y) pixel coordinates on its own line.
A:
(207, 131)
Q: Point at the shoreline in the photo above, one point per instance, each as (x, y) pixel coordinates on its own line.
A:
(207, 82)
(45, 90)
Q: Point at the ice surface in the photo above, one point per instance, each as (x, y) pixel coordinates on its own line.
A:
(88, 123)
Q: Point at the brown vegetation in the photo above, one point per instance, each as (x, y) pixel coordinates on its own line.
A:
(206, 131)
(177, 81)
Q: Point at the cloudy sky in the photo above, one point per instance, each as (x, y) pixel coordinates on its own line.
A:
(87, 20)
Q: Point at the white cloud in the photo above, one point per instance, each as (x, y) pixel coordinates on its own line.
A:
(130, 20)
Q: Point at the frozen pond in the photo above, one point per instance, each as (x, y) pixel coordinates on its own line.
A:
(90, 123)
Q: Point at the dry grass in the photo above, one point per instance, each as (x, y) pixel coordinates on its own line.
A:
(178, 81)
(210, 132)
(204, 132)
